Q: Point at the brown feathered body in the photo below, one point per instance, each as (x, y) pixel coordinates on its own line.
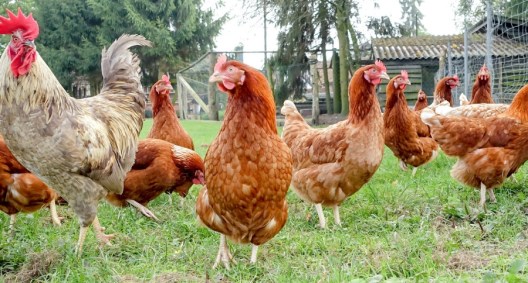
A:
(421, 101)
(332, 163)
(489, 149)
(160, 167)
(166, 125)
(248, 168)
(405, 133)
(20, 190)
(81, 148)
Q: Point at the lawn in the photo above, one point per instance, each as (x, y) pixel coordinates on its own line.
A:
(396, 228)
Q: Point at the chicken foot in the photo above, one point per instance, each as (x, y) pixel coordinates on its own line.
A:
(337, 218)
(403, 166)
(142, 209)
(414, 171)
(492, 195)
(98, 229)
(322, 220)
(54, 216)
(12, 220)
(254, 250)
(104, 239)
(224, 255)
(482, 194)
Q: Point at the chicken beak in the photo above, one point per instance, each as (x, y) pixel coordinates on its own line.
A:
(384, 76)
(215, 77)
(407, 82)
(29, 43)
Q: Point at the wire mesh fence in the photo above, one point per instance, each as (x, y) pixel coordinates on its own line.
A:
(500, 40)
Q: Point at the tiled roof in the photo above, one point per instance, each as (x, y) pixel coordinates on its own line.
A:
(432, 47)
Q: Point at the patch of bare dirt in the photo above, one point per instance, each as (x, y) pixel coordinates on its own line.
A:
(37, 265)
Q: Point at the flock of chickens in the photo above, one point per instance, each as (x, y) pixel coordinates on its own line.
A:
(86, 150)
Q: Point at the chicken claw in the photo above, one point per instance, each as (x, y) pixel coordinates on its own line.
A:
(223, 254)
(403, 166)
(103, 238)
(322, 220)
(143, 209)
(54, 216)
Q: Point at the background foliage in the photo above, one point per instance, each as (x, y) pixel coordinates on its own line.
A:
(73, 33)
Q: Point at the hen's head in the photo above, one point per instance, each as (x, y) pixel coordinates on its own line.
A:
(421, 95)
(227, 74)
(483, 73)
(163, 86)
(375, 72)
(452, 82)
(401, 81)
(21, 48)
(199, 178)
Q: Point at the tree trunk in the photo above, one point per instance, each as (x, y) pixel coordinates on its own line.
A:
(356, 58)
(337, 83)
(315, 89)
(211, 92)
(329, 108)
(342, 36)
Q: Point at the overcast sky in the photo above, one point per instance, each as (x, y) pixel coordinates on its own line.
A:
(439, 19)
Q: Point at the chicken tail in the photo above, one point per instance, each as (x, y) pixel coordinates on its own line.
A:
(429, 117)
(288, 108)
(118, 62)
(463, 99)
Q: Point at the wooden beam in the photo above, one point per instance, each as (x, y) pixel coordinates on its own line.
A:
(196, 97)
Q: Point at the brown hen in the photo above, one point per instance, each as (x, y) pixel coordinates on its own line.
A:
(160, 167)
(421, 101)
(443, 90)
(332, 163)
(481, 92)
(405, 134)
(248, 167)
(166, 125)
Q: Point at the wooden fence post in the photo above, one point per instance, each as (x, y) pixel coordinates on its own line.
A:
(315, 88)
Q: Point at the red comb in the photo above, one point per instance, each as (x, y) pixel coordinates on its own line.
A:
(222, 59)
(404, 74)
(166, 79)
(455, 77)
(380, 65)
(28, 25)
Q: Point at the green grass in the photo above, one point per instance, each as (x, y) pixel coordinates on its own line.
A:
(396, 228)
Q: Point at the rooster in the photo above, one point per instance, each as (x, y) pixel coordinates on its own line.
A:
(248, 168)
(332, 163)
(166, 125)
(160, 167)
(481, 92)
(405, 134)
(488, 149)
(81, 148)
(421, 101)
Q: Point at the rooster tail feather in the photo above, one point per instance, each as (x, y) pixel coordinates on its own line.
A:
(117, 54)
(288, 108)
